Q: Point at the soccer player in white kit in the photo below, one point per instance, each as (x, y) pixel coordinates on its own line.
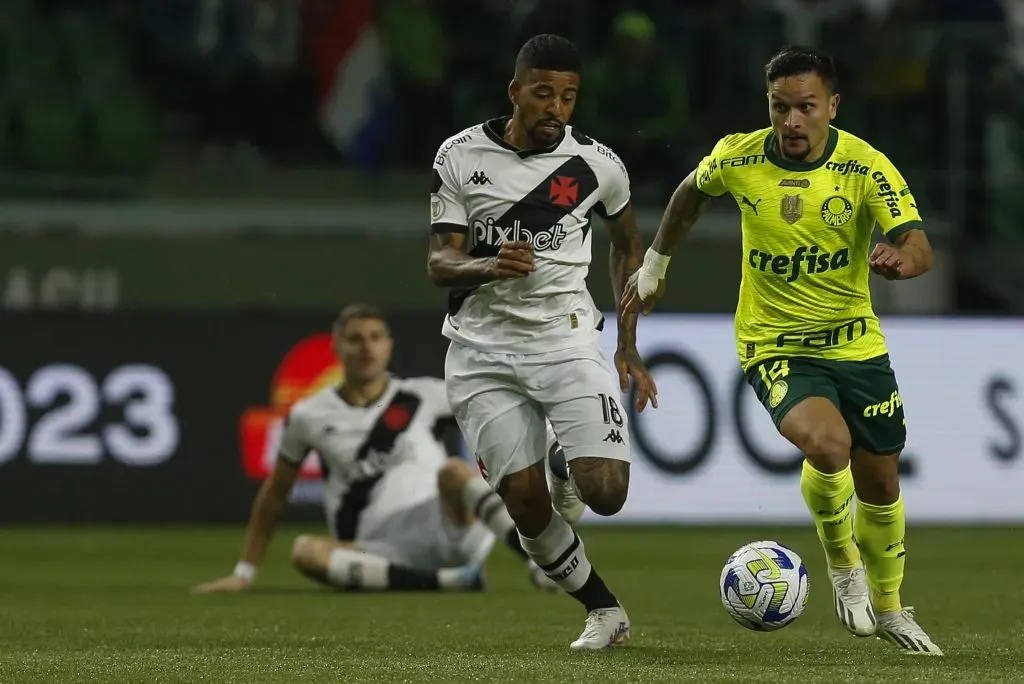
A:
(402, 514)
(511, 212)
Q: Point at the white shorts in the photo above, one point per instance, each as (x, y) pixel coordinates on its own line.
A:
(422, 538)
(501, 402)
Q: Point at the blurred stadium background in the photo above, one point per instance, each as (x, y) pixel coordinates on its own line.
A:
(189, 189)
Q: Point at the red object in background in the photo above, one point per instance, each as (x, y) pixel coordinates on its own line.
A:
(309, 366)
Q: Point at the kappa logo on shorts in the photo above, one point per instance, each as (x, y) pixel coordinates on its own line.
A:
(614, 437)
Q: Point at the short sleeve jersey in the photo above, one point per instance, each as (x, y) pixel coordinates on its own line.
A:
(807, 231)
(377, 459)
(494, 193)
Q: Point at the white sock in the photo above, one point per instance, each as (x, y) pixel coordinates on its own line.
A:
(451, 578)
(487, 506)
(559, 552)
(351, 569)
(490, 511)
(476, 544)
(356, 570)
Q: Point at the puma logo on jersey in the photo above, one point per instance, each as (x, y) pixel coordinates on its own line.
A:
(480, 178)
(752, 205)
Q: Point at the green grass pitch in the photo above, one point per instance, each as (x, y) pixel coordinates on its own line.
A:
(111, 605)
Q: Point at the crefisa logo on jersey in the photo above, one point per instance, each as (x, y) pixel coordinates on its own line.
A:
(888, 194)
(488, 232)
(847, 167)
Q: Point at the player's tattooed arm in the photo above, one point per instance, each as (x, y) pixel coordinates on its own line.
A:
(910, 256)
(646, 286)
(625, 257)
(681, 214)
(448, 264)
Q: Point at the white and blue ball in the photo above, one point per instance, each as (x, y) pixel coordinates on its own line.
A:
(764, 586)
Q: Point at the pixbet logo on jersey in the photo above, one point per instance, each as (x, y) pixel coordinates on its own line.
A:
(309, 366)
(488, 232)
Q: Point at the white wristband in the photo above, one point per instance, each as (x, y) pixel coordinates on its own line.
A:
(655, 264)
(651, 273)
(246, 571)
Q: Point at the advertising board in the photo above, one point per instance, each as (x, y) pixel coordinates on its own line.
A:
(710, 452)
(165, 417)
(175, 417)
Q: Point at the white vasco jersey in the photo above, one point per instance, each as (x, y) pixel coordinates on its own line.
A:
(378, 459)
(493, 193)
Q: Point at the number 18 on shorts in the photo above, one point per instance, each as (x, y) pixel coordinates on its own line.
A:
(501, 402)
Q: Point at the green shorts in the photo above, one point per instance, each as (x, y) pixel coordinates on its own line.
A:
(865, 392)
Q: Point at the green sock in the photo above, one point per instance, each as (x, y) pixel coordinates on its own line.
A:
(829, 498)
(880, 532)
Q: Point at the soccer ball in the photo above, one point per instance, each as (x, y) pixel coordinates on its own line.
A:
(764, 586)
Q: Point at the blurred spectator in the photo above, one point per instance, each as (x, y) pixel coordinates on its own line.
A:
(663, 79)
(636, 100)
(230, 64)
(895, 77)
(417, 50)
(806, 22)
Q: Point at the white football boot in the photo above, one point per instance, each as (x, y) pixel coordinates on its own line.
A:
(564, 497)
(902, 629)
(852, 600)
(605, 628)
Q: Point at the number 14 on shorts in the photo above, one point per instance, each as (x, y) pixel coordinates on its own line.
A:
(778, 370)
(773, 379)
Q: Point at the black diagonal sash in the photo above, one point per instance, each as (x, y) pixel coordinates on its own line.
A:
(556, 195)
(393, 421)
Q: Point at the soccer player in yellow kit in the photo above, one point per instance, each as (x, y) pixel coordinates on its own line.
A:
(806, 334)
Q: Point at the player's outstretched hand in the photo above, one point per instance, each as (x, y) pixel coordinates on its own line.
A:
(629, 364)
(632, 302)
(231, 584)
(886, 261)
(514, 260)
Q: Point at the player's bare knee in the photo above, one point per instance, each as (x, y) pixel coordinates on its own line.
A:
(825, 443)
(605, 502)
(818, 430)
(527, 500)
(452, 477)
(302, 551)
(876, 477)
(827, 448)
(603, 483)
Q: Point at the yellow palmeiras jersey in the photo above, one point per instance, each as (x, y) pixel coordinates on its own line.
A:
(807, 230)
